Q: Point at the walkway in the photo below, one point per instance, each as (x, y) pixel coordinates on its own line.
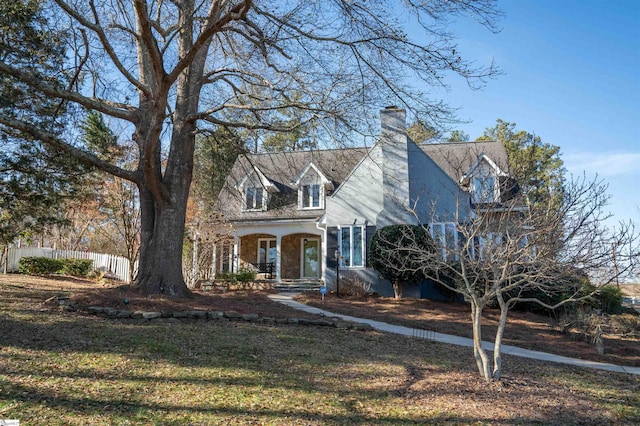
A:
(287, 299)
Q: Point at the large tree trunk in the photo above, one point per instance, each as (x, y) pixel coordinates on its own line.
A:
(162, 230)
(162, 220)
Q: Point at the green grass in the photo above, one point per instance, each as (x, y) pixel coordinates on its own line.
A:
(69, 369)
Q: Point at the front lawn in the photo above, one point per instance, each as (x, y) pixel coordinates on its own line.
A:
(60, 367)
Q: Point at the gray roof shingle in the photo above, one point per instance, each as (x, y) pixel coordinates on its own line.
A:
(282, 168)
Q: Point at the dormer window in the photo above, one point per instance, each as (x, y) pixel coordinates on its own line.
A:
(312, 186)
(484, 189)
(254, 198)
(256, 188)
(482, 180)
(311, 196)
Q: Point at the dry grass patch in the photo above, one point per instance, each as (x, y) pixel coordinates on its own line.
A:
(64, 368)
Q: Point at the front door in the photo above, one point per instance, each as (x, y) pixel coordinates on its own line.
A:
(310, 258)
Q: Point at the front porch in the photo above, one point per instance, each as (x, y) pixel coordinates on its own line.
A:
(283, 252)
(290, 257)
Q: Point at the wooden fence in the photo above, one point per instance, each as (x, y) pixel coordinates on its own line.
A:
(115, 267)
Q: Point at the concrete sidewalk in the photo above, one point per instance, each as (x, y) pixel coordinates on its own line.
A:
(287, 299)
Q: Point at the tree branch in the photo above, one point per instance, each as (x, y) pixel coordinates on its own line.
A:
(54, 141)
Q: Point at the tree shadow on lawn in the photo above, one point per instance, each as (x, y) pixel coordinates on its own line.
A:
(524, 329)
(355, 371)
(200, 371)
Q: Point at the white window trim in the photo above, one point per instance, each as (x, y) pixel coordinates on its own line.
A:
(363, 245)
(490, 239)
(317, 240)
(263, 207)
(321, 196)
(479, 198)
(442, 236)
(268, 240)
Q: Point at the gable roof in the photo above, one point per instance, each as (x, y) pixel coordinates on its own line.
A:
(283, 169)
(328, 184)
(456, 159)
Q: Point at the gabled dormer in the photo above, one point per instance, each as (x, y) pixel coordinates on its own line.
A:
(313, 187)
(256, 189)
(483, 180)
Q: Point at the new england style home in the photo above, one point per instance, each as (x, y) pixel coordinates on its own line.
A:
(295, 215)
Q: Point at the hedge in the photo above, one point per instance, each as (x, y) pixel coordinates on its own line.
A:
(48, 266)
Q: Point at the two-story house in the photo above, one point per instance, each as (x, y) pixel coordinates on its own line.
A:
(294, 215)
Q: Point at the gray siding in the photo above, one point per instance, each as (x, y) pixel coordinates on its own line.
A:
(435, 195)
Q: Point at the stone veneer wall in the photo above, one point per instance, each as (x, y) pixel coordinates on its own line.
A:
(291, 252)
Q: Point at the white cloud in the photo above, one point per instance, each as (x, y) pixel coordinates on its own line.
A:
(603, 163)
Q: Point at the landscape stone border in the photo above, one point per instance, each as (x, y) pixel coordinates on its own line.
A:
(67, 304)
(226, 315)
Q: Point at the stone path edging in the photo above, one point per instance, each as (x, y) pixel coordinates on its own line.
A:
(224, 315)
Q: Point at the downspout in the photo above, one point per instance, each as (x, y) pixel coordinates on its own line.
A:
(321, 225)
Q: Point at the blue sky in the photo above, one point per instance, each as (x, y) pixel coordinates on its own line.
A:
(572, 76)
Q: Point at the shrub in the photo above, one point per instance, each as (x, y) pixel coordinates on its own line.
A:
(76, 267)
(48, 266)
(354, 287)
(391, 253)
(245, 275)
(39, 265)
(626, 325)
(224, 276)
(609, 299)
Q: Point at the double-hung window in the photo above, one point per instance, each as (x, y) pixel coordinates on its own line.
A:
(254, 198)
(311, 196)
(351, 243)
(445, 235)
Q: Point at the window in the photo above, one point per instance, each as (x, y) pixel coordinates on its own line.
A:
(254, 198)
(487, 244)
(267, 251)
(445, 235)
(351, 243)
(484, 190)
(311, 196)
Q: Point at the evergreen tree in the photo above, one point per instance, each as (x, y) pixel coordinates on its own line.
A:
(214, 157)
(536, 165)
(458, 136)
(34, 177)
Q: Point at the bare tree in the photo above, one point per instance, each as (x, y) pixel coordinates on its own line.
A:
(506, 253)
(168, 69)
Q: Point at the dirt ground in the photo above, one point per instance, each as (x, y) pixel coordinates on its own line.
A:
(524, 329)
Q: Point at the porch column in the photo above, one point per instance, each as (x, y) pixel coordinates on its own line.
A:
(214, 256)
(278, 256)
(194, 266)
(236, 257)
